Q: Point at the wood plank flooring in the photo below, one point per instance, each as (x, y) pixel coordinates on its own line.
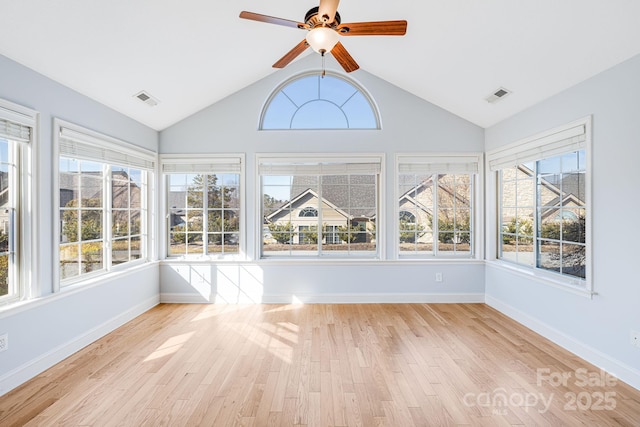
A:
(322, 365)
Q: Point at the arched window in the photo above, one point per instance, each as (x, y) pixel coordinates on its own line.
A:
(407, 217)
(311, 101)
(309, 212)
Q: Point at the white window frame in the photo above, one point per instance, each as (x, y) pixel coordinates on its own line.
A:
(211, 164)
(442, 163)
(288, 162)
(568, 138)
(88, 145)
(25, 123)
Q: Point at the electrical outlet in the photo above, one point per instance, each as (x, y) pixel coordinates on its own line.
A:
(635, 338)
(438, 277)
(4, 342)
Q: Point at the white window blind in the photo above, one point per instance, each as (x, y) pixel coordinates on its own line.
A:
(552, 144)
(200, 165)
(438, 164)
(309, 168)
(14, 124)
(92, 146)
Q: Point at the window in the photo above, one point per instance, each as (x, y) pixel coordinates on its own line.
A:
(103, 202)
(436, 205)
(542, 202)
(320, 207)
(204, 206)
(17, 126)
(313, 102)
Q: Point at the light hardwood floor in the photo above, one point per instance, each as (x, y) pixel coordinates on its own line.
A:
(330, 365)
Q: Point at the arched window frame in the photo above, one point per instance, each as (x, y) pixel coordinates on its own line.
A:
(308, 212)
(357, 86)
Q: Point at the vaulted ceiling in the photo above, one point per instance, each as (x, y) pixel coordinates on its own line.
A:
(192, 53)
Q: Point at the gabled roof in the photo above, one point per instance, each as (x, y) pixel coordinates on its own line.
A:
(299, 201)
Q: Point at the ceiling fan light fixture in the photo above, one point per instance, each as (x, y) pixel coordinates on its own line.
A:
(322, 39)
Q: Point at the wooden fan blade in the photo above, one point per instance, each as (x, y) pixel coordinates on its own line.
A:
(272, 20)
(327, 10)
(292, 54)
(379, 28)
(343, 58)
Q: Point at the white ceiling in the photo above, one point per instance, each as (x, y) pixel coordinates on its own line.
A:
(192, 53)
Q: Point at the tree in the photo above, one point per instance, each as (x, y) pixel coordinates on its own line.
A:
(350, 233)
(91, 220)
(282, 233)
(449, 230)
(522, 227)
(410, 231)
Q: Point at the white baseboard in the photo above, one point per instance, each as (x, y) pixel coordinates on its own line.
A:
(32, 368)
(620, 370)
(332, 299)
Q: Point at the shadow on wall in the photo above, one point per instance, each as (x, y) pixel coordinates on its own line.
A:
(213, 284)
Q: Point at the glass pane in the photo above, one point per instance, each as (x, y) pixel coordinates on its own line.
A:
(120, 194)
(120, 251)
(120, 223)
(573, 225)
(574, 188)
(68, 165)
(194, 199)
(90, 224)
(136, 219)
(214, 242)
(135, 196)
(215, 221)
(359, 112)
(136, 248)
(231, 220)
(68, 190)
(549, 256)
(69, 262)
(91, 189)
(91, 257)
(548, 190)
(69, 226)
(525, 251)
(526, 193)
(231, 242)
(509, 194)
(551, 223)
(550, 166)
(194, 243)
(4, 275)
(177, 243)
(574, 260)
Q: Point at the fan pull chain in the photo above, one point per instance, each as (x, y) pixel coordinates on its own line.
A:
(323, 70)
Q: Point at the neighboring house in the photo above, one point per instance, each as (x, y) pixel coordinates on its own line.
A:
(91, 183)
(339, 206)
(567, 192)
(415, 206)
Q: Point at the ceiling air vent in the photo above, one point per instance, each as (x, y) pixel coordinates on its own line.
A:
(146, 98)
(497, 95)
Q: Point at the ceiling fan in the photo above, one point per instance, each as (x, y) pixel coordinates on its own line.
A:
(324, 27)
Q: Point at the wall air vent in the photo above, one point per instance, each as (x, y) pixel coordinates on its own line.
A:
(147, 98)
(497, 95)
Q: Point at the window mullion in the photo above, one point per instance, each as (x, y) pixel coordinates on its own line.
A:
(205, 214)
(435, 228)
(319, 219)
(107, 212)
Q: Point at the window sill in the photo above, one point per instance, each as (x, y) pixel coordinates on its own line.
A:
(573, 286)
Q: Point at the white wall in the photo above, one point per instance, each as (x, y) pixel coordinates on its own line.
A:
(409, 124)
(597, 329)
(45, 330)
